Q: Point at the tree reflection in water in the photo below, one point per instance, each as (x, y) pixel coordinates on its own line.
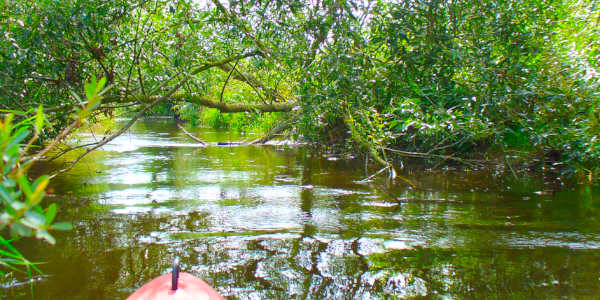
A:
(275, 222)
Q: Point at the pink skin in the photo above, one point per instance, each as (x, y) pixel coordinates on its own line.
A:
(189, 288)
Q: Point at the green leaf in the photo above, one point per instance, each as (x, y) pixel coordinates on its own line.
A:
(26, 121)
(7, 129)
(105, 90)
(38, 209)
(13, 111)
(19, 136)
(41, 181)
(24, 185)
(5, 195)
(50, 213)
(100, 85)
(45, 235)
(94, 102)
(62, 226)
(18, 229)
(38, 188)
(6, 243)
(17, 206)
(90, 88)
(33, 220)
(5, 220)
(76, 97)
(39, 119)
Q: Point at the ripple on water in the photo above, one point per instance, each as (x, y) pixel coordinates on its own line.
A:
(125, 143)
(241, 218)
(532, 239)
(211, 176)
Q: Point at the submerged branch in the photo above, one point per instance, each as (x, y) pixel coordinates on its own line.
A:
(373, 175)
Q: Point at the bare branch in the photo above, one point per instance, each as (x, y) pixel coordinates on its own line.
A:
(227, 80)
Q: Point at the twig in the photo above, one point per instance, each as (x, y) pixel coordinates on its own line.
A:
(227, 80)
(506, 162)
(105, 141)
(51, 146)
(249, 81)
(436, 148)
(65, 151)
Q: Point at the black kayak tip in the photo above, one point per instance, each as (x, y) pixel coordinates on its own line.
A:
(175, 274)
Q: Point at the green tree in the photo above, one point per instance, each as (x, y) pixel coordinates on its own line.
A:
(423, 78)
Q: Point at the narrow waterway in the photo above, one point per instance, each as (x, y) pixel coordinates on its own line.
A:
(274, 222)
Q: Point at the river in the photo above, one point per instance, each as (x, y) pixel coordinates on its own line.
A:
(275, 222)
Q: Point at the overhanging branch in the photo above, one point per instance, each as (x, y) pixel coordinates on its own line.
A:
(209, 102)
(235, 107)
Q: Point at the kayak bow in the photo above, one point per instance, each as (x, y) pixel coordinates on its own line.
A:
(176, 286)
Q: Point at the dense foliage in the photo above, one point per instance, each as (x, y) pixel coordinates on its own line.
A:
(515, 81)
(20, 199)
(457, 77)
(22, 213)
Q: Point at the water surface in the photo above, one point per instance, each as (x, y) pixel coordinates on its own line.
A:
(274, 222)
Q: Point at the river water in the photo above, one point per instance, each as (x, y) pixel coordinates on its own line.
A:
(274, 222)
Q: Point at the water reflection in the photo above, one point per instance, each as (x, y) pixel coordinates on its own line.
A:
(273, 222)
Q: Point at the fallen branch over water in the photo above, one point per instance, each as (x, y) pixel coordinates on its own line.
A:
(197, 139)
